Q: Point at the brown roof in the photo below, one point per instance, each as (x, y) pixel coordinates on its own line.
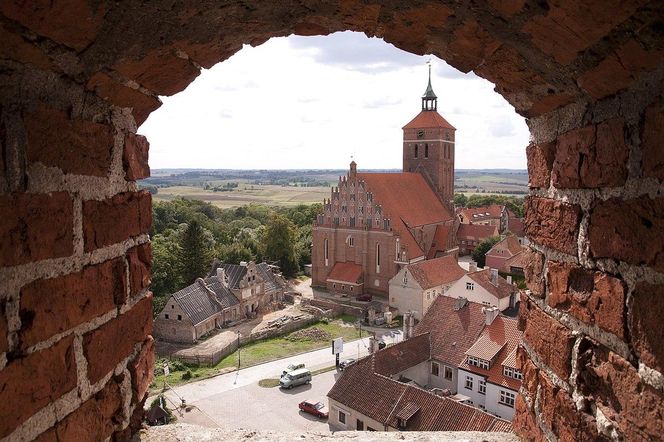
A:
(439, 242)
(518, 261)
(452, 332)
(399, 357)
(485, 348)
(476, 232)
(501, 289)
(480, 213)
(515, 225)
(408, 201)
(346, 271)
(507, 247)
(428, 119)
(435, 272)
(503, 332)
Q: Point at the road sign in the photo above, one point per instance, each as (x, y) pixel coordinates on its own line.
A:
(337, 346)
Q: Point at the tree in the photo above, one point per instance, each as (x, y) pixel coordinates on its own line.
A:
(195, 252)
(279, 243)
(460, 199)
(480, 250)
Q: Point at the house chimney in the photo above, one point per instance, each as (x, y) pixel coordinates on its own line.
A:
(509, 279)
(494, 276)
(408, 324)
(472, 268)
(221, 275)
(243, 263)
(490, 313)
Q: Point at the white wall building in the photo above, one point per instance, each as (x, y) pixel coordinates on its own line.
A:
(485, 287)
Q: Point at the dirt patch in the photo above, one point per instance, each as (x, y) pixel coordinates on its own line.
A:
(311, 334)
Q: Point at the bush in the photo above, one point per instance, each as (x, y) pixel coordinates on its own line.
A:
(186, 375)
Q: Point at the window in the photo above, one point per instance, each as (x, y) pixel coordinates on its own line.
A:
(342, 417)
(166, 315)
(469, 383)
(448, 373)
(359, 425)
(477, 362)
(179, 317)
(352, 221)
(416, 151)
(512, 373)
(351, 288)
(334, 285)
(470, 286)
(435, 369)
(172, 305)
(481, 388)
(507, 398)
(426, 150)
(351, 240)
(377, 258)
(326, 250)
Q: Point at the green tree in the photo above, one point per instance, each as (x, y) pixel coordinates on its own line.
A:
(480, 250)
(279, 243)
(195, 252)
(460, 199)
(235, 253)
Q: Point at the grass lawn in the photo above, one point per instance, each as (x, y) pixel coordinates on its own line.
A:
(259, 352)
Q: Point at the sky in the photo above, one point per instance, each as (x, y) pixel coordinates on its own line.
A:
(316, 102)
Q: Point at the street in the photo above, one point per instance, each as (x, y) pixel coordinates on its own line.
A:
(235, 400)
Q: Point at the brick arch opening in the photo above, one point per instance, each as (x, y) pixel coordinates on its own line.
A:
(77, 79)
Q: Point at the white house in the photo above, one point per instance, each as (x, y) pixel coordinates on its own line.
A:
(416, 286)
(488, 375)
(485, 287)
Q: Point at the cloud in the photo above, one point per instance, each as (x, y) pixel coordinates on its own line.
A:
(502, 127)
(382, 102)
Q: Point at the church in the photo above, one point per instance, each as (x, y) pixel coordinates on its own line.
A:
(375, 223)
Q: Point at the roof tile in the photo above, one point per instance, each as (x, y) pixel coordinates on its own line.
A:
(435, 272)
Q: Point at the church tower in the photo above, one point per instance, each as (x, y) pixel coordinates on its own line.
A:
(428, 147)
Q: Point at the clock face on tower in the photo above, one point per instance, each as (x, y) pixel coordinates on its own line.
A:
(420, 134)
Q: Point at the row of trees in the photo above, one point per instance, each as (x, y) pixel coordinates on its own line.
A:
(513, 203)
(187, 235)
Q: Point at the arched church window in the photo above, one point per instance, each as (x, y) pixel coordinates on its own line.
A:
(416, 147)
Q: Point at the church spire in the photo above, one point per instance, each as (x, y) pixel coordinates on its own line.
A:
(429, 99)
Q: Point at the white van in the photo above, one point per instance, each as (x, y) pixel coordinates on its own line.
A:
(295, 378)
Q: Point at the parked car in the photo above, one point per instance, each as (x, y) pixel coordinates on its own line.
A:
(346, 363)
(318, 409)
(364, 297)
(297, 377)
(381, 345)
(292, 367)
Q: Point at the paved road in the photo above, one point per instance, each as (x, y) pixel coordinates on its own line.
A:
(235, 400)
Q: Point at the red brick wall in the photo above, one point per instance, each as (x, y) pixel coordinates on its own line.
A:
(78, 77)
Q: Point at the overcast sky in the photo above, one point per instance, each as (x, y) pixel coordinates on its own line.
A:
(312, 102)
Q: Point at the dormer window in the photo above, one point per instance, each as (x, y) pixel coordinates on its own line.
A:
(470, 286)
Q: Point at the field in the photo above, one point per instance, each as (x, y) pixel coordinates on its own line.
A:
(267, 194)
(512, 182)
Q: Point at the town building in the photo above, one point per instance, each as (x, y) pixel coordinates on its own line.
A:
(417, 285)
(491, 215)
(488, 375)
(470, 235)
(374, 395)
(485, 287)
(230, 293)
(503, 251)
(375, 223)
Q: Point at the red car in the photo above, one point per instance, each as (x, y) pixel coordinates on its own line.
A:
(318, 409)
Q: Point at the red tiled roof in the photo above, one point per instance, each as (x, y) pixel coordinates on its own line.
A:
(435, 272)
(476, 232)
(480, 213)
(502, 331)
(452, 332)
(501, 289)
(399, 357)
(485, 348)
(428, 119)
(439, 242)
(515, 225)
(346, 271)
(518, 261)
(509, 245)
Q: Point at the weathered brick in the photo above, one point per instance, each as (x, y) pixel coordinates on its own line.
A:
(135, 424)
(160, 71)
(546, 103)
(124, 96)
(29, 383)
(409, 29)
(552, 223)
(561, 416)
(75, 146)
(115, 219)
(590, 157)
(652, 142)
(140, 262)
(135, 157)
(56, 21)
(646, 313)
(507, 8)
(525, 422)
(14, 47)
(27, 227)
(571, 26)
(618, 69)
(533, 270)
(4, 345)
(540, 161)
(549, 338)
(592, 297)
(52, 306)
(628, 230)
(96, 418)
(615, 386)
(530, 372)
(471, 45)
(511, 73)
(142, 370)
(105, 347)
